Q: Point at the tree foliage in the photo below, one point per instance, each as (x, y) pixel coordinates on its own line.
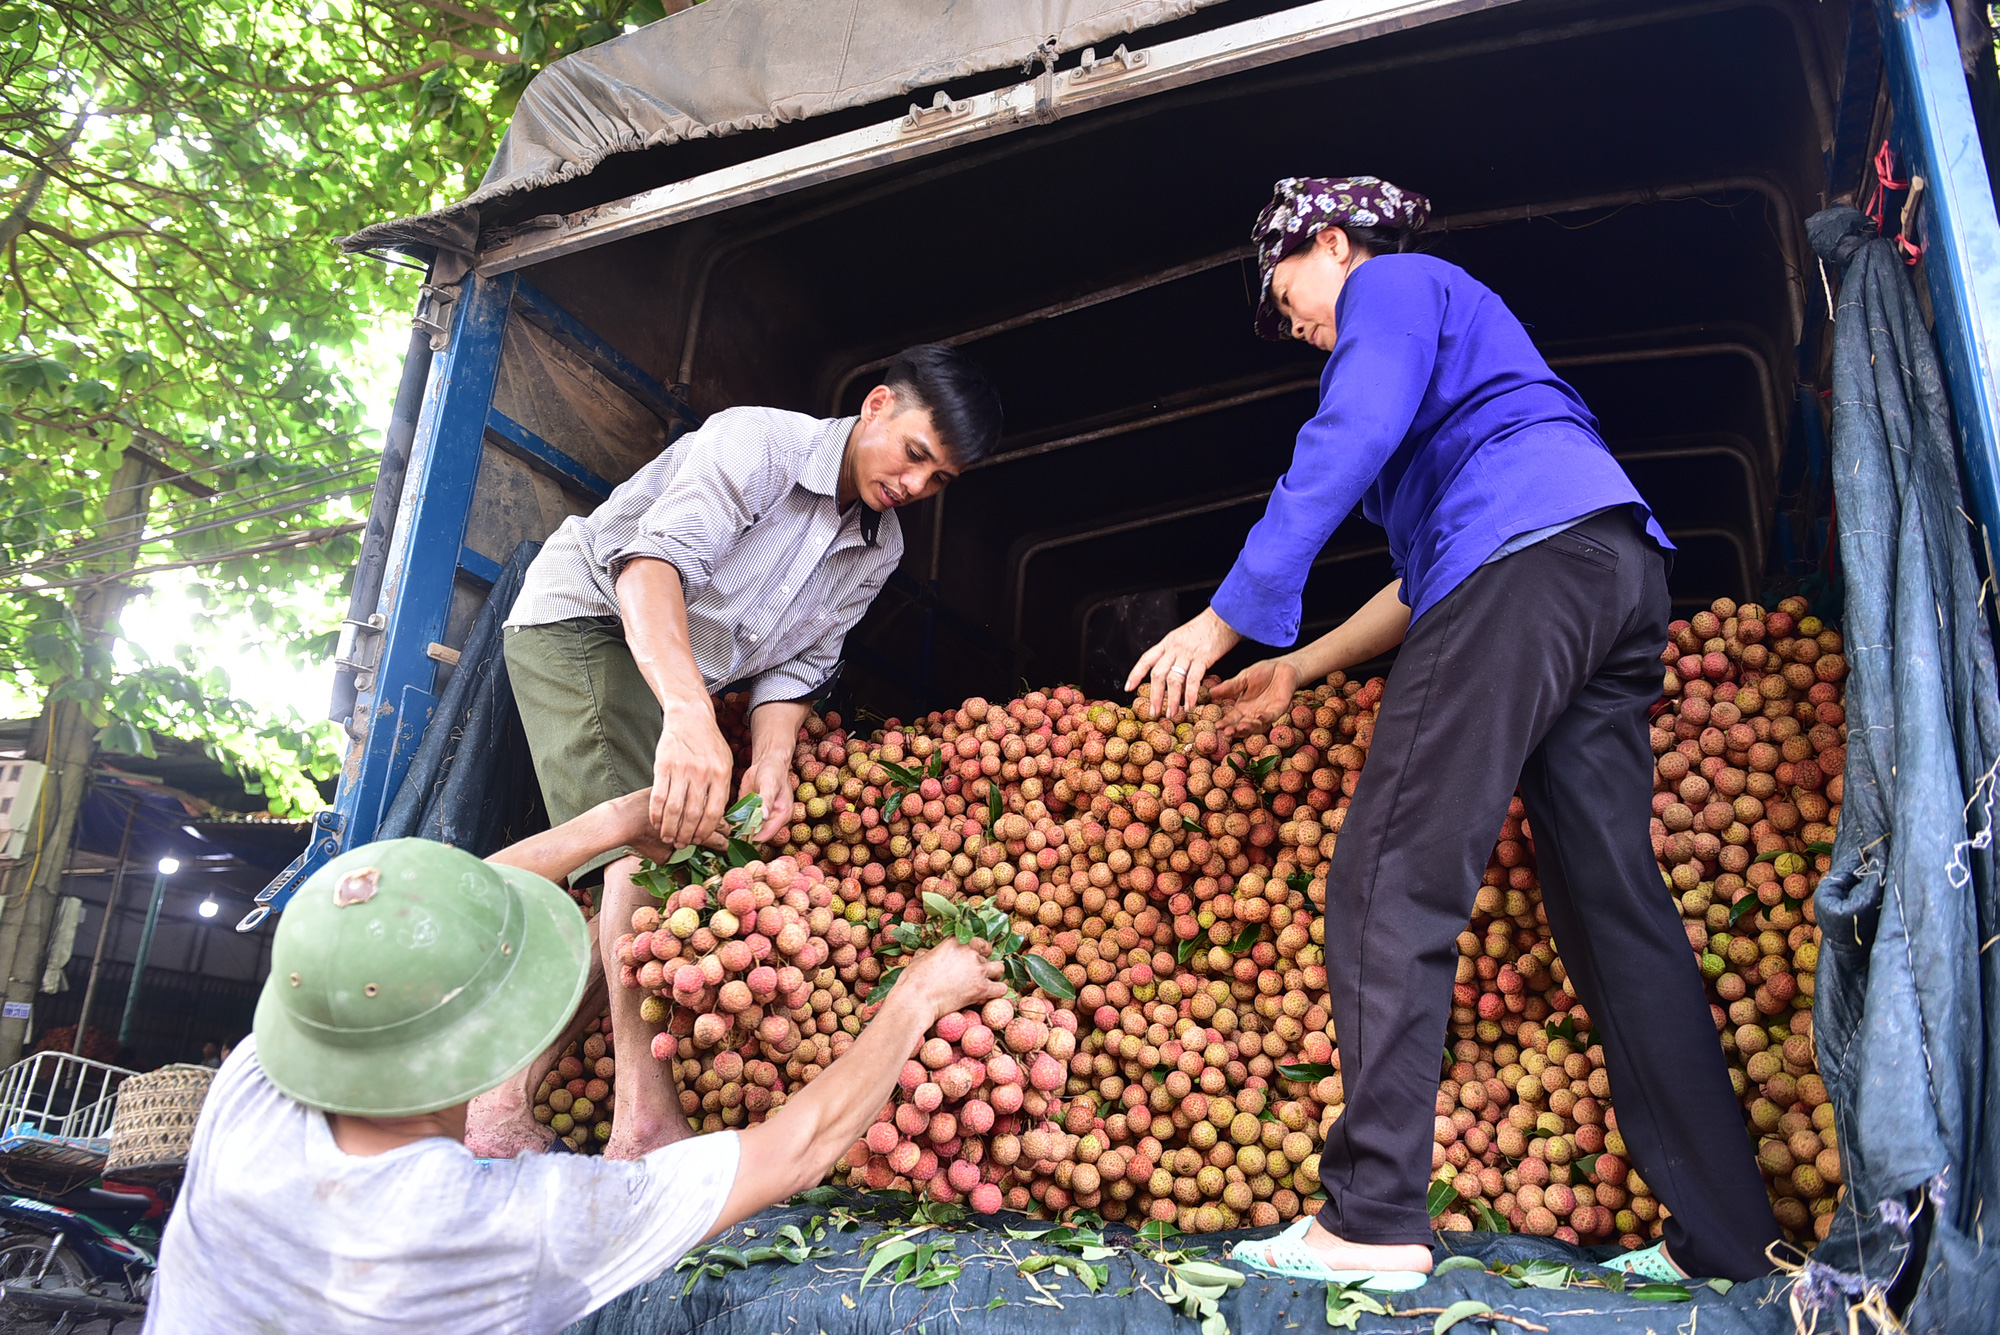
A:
(173, 176)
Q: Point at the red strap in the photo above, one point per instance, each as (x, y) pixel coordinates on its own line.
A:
(1885, 179)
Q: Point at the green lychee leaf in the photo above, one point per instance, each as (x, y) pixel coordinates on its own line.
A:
(882, 987)
(1457, 1312)
(1307, 1072)
(1049, 978)
(1346, 1304)
(1743, 908)
(1187, 950)
(1299, 881)
(1439, 1198)
(964, 932)
(909, 778)
(939, 907)
(993, 808)
(1451, 1263)
(1158, 1230)
(1660, 1293)
(1486, 1217)
(1587, 1165)
(1246, 938)
(728, 1256)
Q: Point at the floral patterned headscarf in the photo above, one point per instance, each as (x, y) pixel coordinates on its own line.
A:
(1302, 207)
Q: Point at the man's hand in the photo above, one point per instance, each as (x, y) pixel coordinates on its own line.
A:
(691, 768)
(771, 780)
(952, 976)
(632, 826)
(1178, 663)
(1255, 696)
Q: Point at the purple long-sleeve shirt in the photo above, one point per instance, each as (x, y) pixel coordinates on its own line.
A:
(1439, 416)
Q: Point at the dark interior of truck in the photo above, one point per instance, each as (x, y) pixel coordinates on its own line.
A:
(1096, 267)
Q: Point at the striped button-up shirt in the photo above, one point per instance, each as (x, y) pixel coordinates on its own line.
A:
(746, 508)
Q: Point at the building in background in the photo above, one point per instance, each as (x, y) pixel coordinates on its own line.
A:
(201, 976)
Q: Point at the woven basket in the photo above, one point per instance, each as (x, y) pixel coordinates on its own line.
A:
(154, 1121)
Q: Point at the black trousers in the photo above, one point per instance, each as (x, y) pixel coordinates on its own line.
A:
(1538, 668)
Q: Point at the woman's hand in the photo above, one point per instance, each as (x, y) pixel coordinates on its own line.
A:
(1179, 662)
(1255, 696)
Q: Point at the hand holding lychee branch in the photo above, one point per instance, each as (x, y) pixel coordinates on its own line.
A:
(985, 925)
(696, 863)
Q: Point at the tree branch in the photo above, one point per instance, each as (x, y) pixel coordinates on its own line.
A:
(471, 16)
(77, 242)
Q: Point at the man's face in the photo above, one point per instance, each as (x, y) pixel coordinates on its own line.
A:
(894, 456)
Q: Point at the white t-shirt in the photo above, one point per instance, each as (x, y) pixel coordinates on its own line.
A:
(279, 1230)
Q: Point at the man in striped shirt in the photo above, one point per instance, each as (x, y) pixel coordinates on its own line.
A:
(745, 552)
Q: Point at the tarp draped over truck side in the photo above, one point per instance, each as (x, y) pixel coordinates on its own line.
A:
(471, 783)
(1907, 998)
(991, 1295)
(751, 65)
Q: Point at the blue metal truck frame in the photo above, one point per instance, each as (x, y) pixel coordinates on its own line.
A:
(389, 648)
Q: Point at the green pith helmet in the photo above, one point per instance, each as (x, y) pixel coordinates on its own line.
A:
(407, 976)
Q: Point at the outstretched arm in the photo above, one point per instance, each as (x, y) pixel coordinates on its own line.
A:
(794, 1148)
(554, 854)
(1262, 691)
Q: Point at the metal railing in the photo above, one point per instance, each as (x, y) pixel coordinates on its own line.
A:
(59, 1095)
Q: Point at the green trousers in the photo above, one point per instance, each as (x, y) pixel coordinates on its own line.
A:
(591, 720)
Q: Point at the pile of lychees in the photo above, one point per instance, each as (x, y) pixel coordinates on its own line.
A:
(575, 1096)
(1176, 885)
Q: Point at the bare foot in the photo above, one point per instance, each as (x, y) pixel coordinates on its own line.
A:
(646, 1101)
(632, 1141)
(500, 1124)
(1337, 1253)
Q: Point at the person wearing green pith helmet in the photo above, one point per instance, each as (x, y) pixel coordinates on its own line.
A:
(328, 1186)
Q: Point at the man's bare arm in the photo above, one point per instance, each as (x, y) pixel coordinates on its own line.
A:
(793, 1148)
(691, 764)
(554, 854)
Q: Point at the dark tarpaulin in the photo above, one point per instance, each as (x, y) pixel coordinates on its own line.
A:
(814, 1298)
(471, 783)
(750, 65)
(1906, 999)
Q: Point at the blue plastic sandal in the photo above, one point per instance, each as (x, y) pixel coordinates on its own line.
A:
(1290, 1258)
(1648, 1263)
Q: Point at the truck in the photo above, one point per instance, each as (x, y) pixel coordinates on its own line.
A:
(763, 201)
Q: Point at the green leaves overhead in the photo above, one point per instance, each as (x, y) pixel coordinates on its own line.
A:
(174, 179)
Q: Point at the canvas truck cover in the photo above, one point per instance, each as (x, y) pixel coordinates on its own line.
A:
(750, 65)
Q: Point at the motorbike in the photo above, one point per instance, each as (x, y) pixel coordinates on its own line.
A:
(87, 1253)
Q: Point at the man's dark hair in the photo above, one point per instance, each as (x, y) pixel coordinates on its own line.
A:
(961, 401)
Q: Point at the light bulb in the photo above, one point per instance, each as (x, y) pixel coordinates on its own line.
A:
(208, 908)
(168, 866)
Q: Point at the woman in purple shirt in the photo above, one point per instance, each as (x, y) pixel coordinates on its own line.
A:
(1531, 607)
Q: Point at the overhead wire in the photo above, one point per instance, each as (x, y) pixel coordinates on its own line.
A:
(109, 546)
(226, 466)
(216, 558)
